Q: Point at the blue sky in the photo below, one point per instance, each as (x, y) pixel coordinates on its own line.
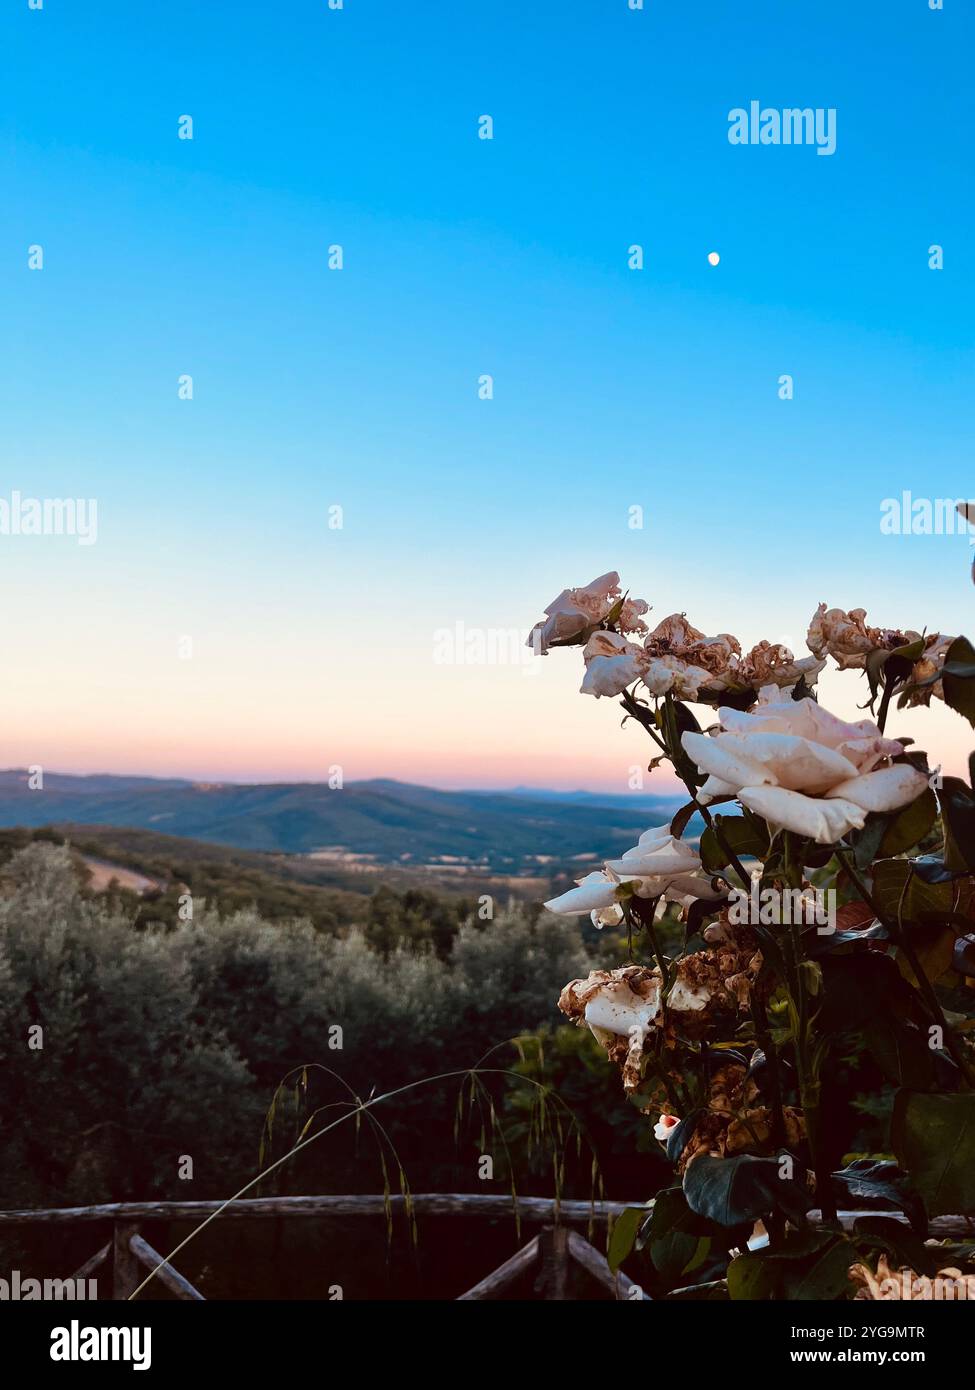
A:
(462, 256)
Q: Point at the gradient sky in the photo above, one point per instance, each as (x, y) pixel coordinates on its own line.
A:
(358, 388)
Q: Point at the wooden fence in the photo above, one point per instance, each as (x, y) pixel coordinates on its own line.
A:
(550, 1253)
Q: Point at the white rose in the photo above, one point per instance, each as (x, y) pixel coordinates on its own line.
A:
(612, 664)
(593, 893)
(658, 866)
(802, 768)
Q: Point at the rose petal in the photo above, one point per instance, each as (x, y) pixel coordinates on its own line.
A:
(794, 762)
(725, 760)
(825, 821)
(610, 675)
(595, 891)
(886, 790)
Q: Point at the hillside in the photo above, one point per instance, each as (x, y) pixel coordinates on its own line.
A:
(364, 824)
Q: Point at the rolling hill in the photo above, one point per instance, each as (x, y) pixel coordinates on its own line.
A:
(374, 822)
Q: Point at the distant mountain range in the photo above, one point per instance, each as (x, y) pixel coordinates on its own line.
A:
(381, 821)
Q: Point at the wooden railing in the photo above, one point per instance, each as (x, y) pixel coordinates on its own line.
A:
(551, 1252)
(131, 1256)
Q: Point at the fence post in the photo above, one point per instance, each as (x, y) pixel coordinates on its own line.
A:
(555, 1262)
(126, 1277)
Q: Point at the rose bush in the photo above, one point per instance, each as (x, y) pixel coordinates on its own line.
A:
(732, 1045)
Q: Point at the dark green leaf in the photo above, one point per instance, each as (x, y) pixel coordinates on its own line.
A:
(901, 888)
(731, 1191)
(934, 1140)
(958, 812)
(901, 1051)
(878, 1182)
(958, 678)
(807, 1267)
(731, 835)
(868, 841)
(898, 1240)
(909, 827)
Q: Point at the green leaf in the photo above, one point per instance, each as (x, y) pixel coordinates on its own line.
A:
(675, 1233)
(866, 845)
(810, 1265)
(699, 1256)
(934, 1140)
(732, 1191)
(673, 1253)
(677, 719)
(825, 1276)
(751, 1277)
(671, 1212)
(741, 836)
(871, 1182)
(896, 1239)
(625, 1229)
(901, 1051)
(900, 889)
(958, 812)
(909, 827)
(958, 678)
(863, 986)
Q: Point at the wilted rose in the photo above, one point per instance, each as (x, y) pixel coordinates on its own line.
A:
(577, 611)
(847, 638)
(677, 659)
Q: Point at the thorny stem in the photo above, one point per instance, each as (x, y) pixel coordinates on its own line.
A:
(900, 936)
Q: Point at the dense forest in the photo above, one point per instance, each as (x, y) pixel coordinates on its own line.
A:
(128, 1048)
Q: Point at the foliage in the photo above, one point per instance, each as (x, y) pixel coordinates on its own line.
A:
(158, 1043)
(279, 887)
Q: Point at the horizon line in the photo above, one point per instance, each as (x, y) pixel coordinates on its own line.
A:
(190, 781)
